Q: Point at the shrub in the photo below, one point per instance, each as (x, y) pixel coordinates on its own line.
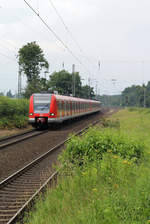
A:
(96, 142)
(13, 112)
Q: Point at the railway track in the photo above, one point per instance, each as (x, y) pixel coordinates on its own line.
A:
(21, 188)
(4, 142)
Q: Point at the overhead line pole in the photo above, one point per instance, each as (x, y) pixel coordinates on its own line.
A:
(73, 81)
(19, 83)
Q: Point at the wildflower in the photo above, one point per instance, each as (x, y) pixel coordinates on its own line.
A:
(148, 152)
(125, 162)
(83, 173)
(94, 189)
(109, 150)
(148, 221)
(116, 186)
(115, 157)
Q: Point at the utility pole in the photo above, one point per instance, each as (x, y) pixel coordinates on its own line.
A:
(89, 83)
(96, 89)
(63, 65)
(19, 83)
(144, 95)
(99, 67)
(73, 81)
(144, 89)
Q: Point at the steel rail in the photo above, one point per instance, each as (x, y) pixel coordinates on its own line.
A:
(19, 190)
(14, 139)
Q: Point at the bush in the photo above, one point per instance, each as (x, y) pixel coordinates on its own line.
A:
(96, 142)
(13, 112)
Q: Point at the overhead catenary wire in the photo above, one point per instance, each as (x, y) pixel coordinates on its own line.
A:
(69, 32)
(66, 27)
(56, 36)
(10, 58)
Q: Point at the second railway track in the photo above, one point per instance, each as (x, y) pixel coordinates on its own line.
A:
(7, 141)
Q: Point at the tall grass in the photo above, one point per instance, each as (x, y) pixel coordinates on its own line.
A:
(104, 177)
(112, 191)
(13, 112)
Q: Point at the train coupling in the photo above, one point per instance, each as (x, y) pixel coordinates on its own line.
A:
(41, 120)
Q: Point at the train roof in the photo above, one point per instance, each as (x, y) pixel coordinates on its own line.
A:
(70, 98)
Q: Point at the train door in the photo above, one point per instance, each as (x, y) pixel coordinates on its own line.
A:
(60, 108)
(62, 105)
(65, 108)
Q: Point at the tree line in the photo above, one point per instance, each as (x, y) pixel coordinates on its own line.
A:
(134, 96)
(32, 61)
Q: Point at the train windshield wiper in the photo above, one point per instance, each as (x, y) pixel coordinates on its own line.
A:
(44, 107)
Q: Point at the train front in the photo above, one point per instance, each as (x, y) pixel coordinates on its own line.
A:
(39, 110)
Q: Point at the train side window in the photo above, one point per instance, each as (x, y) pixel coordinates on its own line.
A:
(65, 107)
(62, 105)
(59, 105)
(69, 107)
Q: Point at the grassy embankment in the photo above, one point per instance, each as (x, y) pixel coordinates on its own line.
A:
(106, 176)
(13, 112)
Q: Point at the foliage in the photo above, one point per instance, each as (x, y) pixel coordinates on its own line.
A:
(111, 190)
(96, 142)
(134, 96)
(63, 83)
(9, 94)
(114, 191)
(87, 92)
(13, 112)
(32, 60)
(111, 100)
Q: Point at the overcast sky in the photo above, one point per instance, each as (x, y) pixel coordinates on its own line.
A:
(114, 32)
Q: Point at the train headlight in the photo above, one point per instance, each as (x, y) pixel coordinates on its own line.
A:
(52, 114)
(31, 114)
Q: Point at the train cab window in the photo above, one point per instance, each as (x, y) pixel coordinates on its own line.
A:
(42, 103)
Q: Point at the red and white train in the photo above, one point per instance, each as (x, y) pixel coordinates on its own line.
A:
(45, 109)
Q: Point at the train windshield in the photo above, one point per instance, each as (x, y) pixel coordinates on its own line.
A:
(42, 103)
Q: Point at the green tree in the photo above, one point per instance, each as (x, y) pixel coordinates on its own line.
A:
(87, 92)
(9, 94)
(32, 60)
(63, 83)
